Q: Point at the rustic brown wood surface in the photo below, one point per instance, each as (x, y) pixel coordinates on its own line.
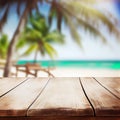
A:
(60, 118)
(16, 102)
(7, 84)
(59, 99)
(104, 103)
(62, 96)
(111, 84)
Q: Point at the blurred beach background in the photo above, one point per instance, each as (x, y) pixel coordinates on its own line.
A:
(94, 58)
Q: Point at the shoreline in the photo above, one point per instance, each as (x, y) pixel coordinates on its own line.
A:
(76, 64)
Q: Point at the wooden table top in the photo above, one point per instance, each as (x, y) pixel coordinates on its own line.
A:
(60, 97)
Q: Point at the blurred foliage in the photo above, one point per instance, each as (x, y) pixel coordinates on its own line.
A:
(3, 46)
(38, 37)
(77, 14)
(82, 14)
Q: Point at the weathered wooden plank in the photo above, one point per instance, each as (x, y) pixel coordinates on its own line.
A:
(60, 118)
(7, 84)
(13, 118)
(72, 118)
(104, 103)
(112, 84)
(16, 102)
(62, 96)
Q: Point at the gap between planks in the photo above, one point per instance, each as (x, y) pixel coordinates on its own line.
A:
(20, 100)
(62, 96)
(13, 87)
(107, 88)
(38, 96)
(45, 87)
(87, 96)
(104, 103)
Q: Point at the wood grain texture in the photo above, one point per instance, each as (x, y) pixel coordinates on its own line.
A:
(16, 102)
(104, 103)
(72, 118)
(112, 84)
(7, 84)
(62, 96)
(59, 118)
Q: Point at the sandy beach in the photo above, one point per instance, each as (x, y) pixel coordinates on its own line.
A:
(73, 72)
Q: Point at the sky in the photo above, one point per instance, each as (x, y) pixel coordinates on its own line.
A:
(93, 48)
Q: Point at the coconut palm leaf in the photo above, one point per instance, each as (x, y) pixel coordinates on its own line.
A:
(3, 46)
(39, 23)
(73, 30)
(8, 4)
(59, 21)
(92, 15)
(18, 8)
(55, 11)
(86, 25)
(30, 50)
(91, 29)
(89, 1)
(3, 20)
(86, 15)
(38, 39)
(52, 14)
(57, 7)
(55, 37)
(21, 43)
(50, 50)
(60, 7)
(33, 34)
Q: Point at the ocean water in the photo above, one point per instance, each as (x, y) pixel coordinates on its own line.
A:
(77, 64)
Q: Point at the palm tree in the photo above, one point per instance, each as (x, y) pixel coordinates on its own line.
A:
(5, 7)
(83, 14)
(79, 11)
(38, 37)
(3, 46)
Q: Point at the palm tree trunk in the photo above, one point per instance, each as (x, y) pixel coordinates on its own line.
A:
(11, 47)
(35, 58)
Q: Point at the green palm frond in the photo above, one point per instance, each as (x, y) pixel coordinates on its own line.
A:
(3, 46)
(83, 1)
(92, 14)
(55, 11)
(38, 22)
(55, 37)
(92, 2)
(73, 30)
(3, 20)
(89, 21)
(32, 35)
(52, 14)
(91, 29)
(4, 40)
(29, 50)
(37, 33)
(21, 43)
(50, 50)
(87, 16)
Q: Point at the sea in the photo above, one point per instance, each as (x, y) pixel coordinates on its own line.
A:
(76, 64)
